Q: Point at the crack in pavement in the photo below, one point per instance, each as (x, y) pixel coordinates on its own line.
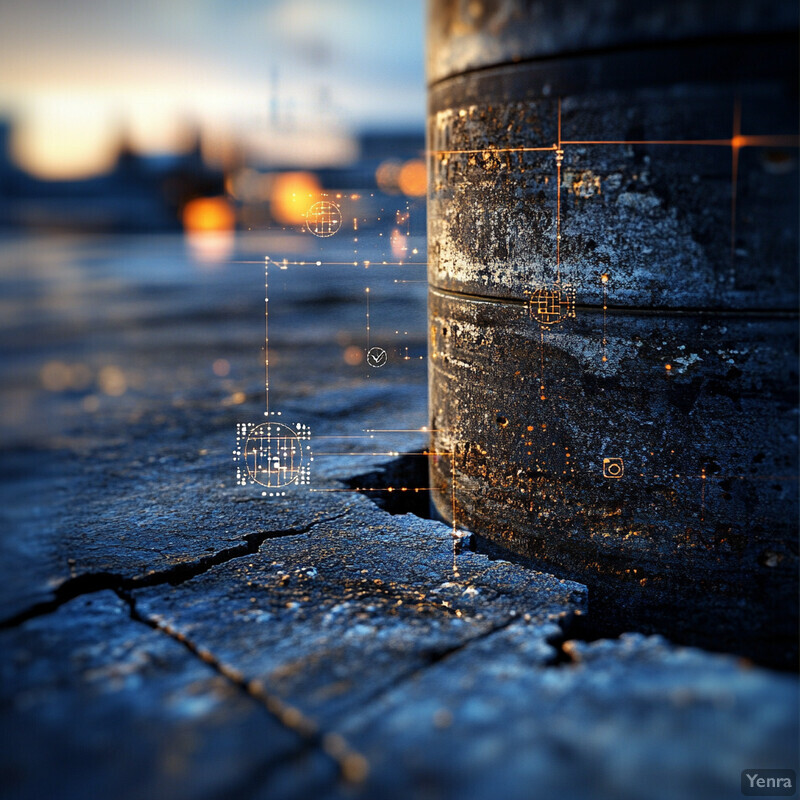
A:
(436, 657)
(91, 582)
(352, 765)
(556, 640)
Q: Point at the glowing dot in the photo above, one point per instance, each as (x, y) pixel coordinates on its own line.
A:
(352, 355)
(55, 376)
(221, 367)
(668, 367)
(112, 381)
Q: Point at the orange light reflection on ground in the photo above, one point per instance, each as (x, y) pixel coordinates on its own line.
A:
(210, 224)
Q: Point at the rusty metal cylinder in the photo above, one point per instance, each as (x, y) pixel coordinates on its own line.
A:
(613, 290)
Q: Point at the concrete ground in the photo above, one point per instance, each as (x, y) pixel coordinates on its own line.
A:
(168, 633)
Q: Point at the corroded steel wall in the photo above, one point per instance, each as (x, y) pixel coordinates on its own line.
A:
(613, 270)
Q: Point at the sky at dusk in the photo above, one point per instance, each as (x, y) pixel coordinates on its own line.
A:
(74, 74)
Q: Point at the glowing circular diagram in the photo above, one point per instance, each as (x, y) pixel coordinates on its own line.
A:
(552, 303)
(273, 455)
(324, 219)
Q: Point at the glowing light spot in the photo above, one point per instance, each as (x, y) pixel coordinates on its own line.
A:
(353, 355)
(64, 139)
(221, 367)
(413, 178)
(55, 376)
(398, 242)
(387, 176)
(209, 223)
(292, 194)
(208, 214)
(112, 382)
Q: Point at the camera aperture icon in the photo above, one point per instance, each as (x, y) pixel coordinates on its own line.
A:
(613, 468)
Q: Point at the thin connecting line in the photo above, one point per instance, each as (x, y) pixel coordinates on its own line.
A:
(385, 453)
(266, 331)
(346, 436)
(604, 279)
(709, 142)
(559, 158)
(380, 489)
(403, 430)
(542, 395)
(736, 141)
(453, 495)
(364, 263)
(559, 122)
(491, 150)
(366, 291)
(735, 146)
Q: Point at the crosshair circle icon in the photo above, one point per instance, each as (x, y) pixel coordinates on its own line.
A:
(323, 219)
(273, 455)
(552, 303)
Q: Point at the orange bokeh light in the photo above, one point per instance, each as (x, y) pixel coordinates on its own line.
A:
(387, 176)
(292, 194)
(353, 355)
(413, 178)
(206, 214)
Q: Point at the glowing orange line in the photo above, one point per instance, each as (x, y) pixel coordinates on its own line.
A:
(743, 141)
(558, 224)
(768, 141)
(491, 150)
(736, 141)
(735, 145)
(710, 142)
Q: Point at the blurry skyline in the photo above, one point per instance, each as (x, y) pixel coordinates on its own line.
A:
(272, 75)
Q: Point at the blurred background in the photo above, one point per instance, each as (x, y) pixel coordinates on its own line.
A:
(118, 117)
(150, 150)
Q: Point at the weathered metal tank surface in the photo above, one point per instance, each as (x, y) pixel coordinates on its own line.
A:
(613, 292)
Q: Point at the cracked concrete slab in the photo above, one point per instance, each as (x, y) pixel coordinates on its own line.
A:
(144, 483)
(97, 705)
(627, 718)
(260, 649)
(330, 618)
